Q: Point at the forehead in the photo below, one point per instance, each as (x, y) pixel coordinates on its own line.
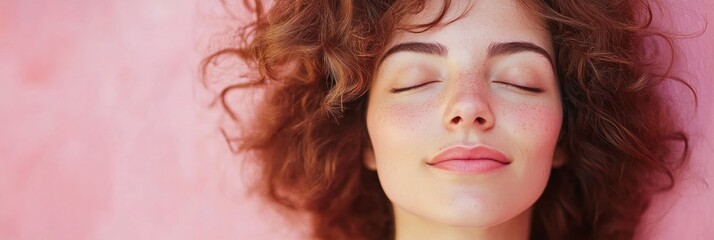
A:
(478, 21)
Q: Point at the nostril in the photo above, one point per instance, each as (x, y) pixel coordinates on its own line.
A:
(480, 120)
(456, 120)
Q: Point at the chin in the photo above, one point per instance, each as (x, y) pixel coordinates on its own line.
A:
(469, 213)
(478, 221)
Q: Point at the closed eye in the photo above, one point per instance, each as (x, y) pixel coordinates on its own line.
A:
(398, 90)
(529, 89)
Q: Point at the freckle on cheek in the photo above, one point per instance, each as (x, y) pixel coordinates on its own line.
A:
(536, 118)
(403, 116)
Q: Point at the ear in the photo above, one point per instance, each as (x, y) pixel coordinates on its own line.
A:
(559, 157)
(368, 158)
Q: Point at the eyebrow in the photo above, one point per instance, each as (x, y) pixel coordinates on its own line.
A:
(419, 47)
(507, 48)
(494, 49)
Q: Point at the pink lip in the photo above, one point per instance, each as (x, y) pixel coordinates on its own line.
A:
(470, 160)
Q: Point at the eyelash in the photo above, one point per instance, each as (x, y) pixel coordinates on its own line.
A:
(398, 90)
(529, 89)
(509, 85)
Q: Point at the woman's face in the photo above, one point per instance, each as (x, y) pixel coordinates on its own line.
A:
(482, 87)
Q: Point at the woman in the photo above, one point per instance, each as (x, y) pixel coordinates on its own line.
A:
(486, 119)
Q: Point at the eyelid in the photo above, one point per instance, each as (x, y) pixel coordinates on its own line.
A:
(529, 89)
(398, 90)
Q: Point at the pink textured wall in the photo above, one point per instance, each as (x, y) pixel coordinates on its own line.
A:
(104, 132)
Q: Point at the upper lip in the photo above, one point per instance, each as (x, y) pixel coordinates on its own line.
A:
(480, 152)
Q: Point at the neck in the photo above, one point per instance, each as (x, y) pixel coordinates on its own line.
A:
(409, 226)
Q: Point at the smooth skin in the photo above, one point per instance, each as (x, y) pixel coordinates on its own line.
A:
(449, 87)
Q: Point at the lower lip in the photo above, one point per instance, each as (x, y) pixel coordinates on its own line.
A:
(470, 166)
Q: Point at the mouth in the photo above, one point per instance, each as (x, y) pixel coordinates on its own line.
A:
(479, 159)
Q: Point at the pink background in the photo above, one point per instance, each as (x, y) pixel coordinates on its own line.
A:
(105, 133)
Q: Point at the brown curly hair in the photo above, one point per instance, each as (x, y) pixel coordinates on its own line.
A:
(314, 61)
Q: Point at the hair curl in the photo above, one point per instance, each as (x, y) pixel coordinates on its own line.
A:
(315, 61)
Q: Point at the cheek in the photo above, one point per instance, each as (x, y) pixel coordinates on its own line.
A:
(393, 131)
(538, 121)
(395, 123)
(535, 129)
(533, 132)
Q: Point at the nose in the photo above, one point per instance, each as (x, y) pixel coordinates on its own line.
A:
(469, 108)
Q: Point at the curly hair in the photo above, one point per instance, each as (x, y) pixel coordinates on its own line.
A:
(315, 62)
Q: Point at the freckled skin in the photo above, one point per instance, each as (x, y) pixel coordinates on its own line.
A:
(407, 129)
